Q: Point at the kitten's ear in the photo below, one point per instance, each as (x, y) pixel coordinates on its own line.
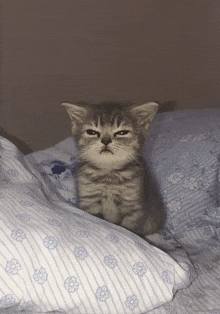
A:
(145, 113)
(77, 114)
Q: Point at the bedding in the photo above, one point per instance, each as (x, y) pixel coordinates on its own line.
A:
(55, 257)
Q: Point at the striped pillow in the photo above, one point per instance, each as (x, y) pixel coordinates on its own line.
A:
(55, 257)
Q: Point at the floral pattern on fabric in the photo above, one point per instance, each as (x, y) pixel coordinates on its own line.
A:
(104, 269)
(57, 258)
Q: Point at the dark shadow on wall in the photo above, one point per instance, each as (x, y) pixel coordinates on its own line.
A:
(21, 145)
(166, 106)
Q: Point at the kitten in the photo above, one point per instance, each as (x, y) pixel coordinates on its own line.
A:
(113, 182)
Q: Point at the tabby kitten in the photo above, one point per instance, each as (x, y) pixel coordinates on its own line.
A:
(113, 181)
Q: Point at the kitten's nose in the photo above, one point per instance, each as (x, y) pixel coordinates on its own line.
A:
(106, 140)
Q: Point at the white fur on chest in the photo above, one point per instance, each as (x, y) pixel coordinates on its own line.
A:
(112, 195)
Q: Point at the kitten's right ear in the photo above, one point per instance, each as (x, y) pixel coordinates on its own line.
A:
(77, 114)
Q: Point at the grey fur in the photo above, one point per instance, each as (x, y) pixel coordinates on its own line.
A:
(113, 180)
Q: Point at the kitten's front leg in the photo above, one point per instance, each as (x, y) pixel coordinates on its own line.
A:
(141, 223)
(91, 207)
(134, 222)
(104, 208)
(109, 208)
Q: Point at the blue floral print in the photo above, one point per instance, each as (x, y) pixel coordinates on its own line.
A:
(13, 267)
(18, 235)
(40, 275)
(102, 293)
(132, 302)
(110, 261)
(139, 269)
(80, 253)
(71, 284)
(50, 242)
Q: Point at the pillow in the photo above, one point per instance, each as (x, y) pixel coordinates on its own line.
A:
(183, 150)
(57, 164)
(55, 257)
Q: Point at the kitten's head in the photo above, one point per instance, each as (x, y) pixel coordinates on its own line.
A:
(110, 135)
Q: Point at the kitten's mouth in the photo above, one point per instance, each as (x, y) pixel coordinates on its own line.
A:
(106, 150)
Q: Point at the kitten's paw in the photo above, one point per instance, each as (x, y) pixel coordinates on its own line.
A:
(133, 223)
(94, 209)
(153, 224)
(143, 224)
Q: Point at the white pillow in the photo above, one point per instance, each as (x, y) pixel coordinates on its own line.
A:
(55, 257)
(183, 151)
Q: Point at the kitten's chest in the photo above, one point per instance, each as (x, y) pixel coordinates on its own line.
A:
(112, 195)
(116, 186)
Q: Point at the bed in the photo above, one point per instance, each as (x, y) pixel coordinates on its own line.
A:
(56, 258)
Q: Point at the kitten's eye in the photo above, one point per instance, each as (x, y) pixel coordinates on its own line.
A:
(122, 132)
(92, 132)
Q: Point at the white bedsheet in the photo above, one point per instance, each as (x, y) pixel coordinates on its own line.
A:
(56, 257)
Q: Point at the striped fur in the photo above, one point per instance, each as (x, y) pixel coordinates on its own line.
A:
(113, 182)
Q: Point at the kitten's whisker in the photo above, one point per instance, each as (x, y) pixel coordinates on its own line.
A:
(130, 155)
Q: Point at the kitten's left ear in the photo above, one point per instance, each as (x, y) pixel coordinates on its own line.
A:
(145, 113)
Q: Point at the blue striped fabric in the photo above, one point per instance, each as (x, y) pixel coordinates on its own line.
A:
(55, 257)
(183, 152)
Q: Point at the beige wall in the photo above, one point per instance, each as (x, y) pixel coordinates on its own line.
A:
(94, 50)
